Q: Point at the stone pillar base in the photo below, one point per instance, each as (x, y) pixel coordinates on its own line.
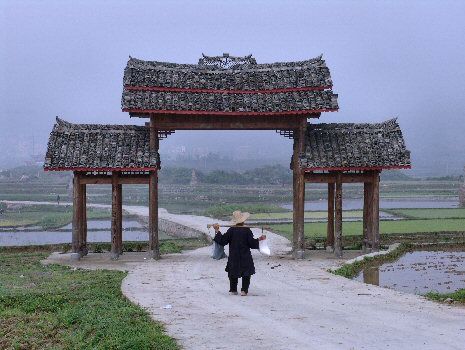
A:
(75, 256)
(154, 255)
(299, 254)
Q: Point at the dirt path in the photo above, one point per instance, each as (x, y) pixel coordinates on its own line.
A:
(291, 304)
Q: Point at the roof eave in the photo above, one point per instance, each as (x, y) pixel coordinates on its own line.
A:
(145, 113)
(357, 168)
(114, 169)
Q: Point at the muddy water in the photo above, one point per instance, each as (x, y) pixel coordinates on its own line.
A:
(420, 272)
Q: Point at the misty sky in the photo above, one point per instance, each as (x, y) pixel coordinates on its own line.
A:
(392, 58)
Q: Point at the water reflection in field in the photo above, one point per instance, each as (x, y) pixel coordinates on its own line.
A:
(104, 224)
(420, 272)
(132, 231)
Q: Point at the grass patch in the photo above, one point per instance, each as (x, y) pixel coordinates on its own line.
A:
(458, 296)
(226, 210)
(352, 270)
(318, 230)
(55, 307)
(167, 246)
(440, 213)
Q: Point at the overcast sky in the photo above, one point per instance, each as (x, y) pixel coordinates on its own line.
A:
(387, 58)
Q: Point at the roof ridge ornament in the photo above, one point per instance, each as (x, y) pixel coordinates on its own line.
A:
(226, 61)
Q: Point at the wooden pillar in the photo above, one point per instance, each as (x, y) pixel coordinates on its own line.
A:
(119, 220)
(367, 216)
(153, 196)
(83, 247)
(115, 218)
(338, 217)
(299, 192)
(77, 215)
(330, 226)
(375, 204)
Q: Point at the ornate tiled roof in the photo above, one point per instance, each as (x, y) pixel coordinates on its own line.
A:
(95, 147)
(228, 85)
(355, 147)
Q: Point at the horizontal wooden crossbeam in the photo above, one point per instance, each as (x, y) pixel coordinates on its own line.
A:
(226, 122)
(131, 179)
(345, 177)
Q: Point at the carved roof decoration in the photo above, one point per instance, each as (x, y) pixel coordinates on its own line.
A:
(96, 147)
(227, 62)
(355, 147)
(228, 85)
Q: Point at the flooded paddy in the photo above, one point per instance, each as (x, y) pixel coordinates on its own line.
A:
(419, 272)
(98, 231)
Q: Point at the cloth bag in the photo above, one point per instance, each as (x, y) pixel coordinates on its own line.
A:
(218, 251)
(263, 247)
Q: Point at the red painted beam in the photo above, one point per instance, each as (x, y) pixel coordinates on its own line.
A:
(98, 169)
(216, 91)
(357, 168)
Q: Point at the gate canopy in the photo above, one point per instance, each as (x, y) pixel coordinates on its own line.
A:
(97, 147)
(227, 85)
(355, 147)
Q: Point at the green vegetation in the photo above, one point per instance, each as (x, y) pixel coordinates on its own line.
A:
(54, 307)
(271, 174)
(167, 246)
(177, 245)
(386, 227)
(46, 216)
(458, 296)
(456, 213)
(352, 270)
(225, 210)
(308, 215)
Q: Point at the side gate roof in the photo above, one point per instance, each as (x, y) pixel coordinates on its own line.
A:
(355, 147)
(96, 147)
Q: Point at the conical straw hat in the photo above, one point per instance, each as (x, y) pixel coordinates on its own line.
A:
(239, 217)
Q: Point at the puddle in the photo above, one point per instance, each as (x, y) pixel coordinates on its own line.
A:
(419, 272)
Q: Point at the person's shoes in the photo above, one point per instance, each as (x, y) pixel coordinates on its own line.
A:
(243, 294)
(233, 293)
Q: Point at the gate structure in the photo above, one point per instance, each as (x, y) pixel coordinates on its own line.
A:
(219, 93)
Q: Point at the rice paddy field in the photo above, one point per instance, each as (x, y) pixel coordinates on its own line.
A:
(386, 227)
(264, 202)
(197, 199)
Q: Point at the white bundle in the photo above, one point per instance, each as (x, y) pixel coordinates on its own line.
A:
(263, 247)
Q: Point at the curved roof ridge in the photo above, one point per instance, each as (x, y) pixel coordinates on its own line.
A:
(385, 125)
(139, 63)
(63, 125)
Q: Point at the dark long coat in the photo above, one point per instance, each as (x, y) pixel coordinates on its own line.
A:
(240, 240)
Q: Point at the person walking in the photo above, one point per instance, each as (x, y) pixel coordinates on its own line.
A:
(240, 262)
